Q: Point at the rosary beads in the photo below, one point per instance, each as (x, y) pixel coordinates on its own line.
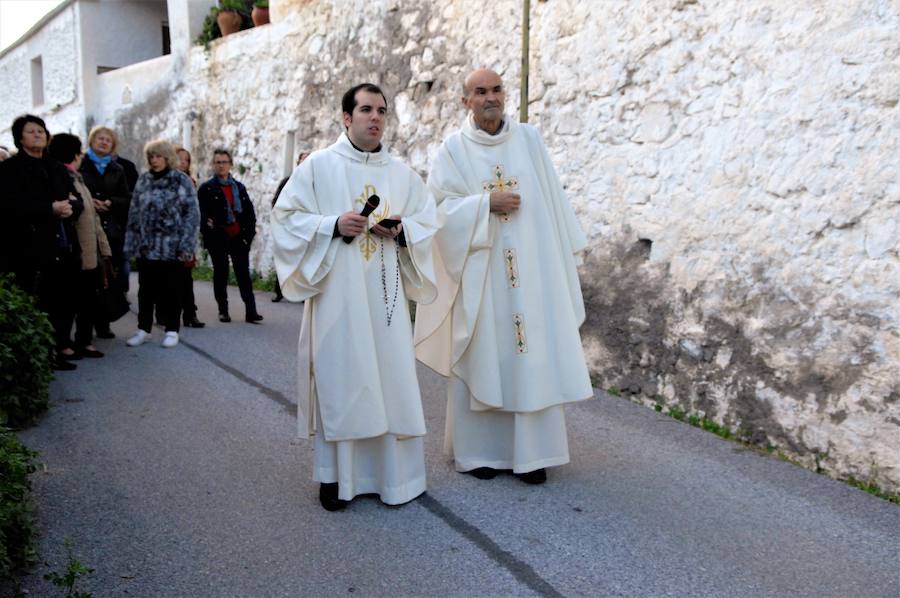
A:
(389, 311)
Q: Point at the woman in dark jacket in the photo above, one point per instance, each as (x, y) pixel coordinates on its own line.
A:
(38, 242)
(107, 181)
(95, 251)
(188, 302)
(162, 233)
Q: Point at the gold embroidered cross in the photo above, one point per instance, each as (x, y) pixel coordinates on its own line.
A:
(367, 244)
(500, 183)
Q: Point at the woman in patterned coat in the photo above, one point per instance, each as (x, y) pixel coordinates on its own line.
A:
(163, 223)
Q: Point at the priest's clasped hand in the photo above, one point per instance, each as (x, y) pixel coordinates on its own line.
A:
(388, 233)
(351, 224)
(505, 201)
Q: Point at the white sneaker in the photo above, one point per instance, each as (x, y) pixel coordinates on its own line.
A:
(138, 339)
(171, 340)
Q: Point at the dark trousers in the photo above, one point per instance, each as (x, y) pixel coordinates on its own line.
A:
(186, 286)
(239, 253)
(57, 287)
(158, 286)
(118, 282)
(87, 305)
(278, 288)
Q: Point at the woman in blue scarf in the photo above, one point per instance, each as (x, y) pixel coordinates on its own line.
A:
(106, 181)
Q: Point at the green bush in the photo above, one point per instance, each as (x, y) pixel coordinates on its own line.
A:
(260, 283)
(17, 525)
(26, 343)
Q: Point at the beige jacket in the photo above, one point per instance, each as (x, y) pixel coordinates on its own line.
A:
(90, 231)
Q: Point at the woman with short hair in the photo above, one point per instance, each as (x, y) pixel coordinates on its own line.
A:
(95, 250)
(188, 302)
(38, 242)
(108, 184)
(163, 223)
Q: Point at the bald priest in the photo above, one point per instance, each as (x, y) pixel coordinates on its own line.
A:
(505, 325)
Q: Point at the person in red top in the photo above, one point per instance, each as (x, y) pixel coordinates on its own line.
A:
(228, 225)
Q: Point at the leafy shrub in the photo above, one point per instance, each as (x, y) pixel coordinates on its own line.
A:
(17, 525)
(26, 343)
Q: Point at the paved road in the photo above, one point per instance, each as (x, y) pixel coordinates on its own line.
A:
(177, 473)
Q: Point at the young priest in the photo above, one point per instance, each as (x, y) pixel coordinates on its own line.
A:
(358, 391)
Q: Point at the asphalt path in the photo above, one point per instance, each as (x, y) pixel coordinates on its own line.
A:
(177, 472)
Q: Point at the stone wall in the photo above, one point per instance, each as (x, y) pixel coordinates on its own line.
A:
(734, 164)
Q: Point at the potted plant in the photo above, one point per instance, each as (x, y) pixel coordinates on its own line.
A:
(229, 16)
(260, 14)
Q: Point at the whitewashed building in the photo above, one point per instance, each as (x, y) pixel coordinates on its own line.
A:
(87, 58)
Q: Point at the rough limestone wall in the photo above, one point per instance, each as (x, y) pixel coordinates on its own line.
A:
(734, 164)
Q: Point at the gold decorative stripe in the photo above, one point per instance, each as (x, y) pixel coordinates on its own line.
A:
(512, 268)
(500, 182)
(367, 244)
(519, 325)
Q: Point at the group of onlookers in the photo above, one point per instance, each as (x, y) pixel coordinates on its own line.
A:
(76, 217)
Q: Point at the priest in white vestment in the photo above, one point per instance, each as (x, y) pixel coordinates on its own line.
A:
(358, 390)
(504, 327)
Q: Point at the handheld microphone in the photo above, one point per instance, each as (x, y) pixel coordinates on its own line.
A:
(370, 206)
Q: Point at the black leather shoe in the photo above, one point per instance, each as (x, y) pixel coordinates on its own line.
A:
(328, 496)
(193, 322)
(107, 334)
(63, 366)
(538, 476)
(484, 473)
(73, 356)
(277, 298)
(254, 318)
(224, 317)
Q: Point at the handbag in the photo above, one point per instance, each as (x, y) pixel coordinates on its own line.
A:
(113, 304)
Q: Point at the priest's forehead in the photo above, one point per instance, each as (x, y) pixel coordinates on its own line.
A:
(368, 99)
(481, 79)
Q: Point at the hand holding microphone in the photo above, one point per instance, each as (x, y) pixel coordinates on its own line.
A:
(351, 224)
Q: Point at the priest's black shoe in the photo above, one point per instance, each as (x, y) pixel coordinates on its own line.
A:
(328, 496)
(484, 473)
(277, 298)
(193, 322)
(254, 318)
(224, 317)
(538, 476)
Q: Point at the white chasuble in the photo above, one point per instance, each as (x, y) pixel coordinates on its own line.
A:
(509, 303)
(358, 370)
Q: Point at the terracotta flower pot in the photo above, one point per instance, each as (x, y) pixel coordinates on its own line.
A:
(229, 22)
(260, 16)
